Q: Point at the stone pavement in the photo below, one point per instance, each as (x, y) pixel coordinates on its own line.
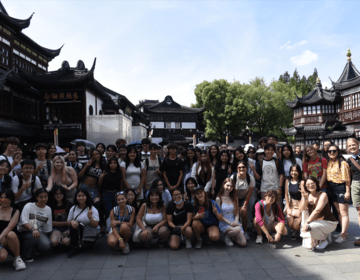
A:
(286, 260)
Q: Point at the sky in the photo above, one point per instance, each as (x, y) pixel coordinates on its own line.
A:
(151, 49)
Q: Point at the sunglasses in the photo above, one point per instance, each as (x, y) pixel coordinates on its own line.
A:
(332, 151)
(241, 167)
(122, 192)
(251, 152)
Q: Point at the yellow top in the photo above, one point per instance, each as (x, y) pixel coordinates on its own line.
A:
(335, 175)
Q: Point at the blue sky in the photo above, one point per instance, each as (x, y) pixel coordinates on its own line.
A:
(150, 49)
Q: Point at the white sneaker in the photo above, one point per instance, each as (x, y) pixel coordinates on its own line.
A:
(19, 264)
(340, 240)
(259, 239)
(247, 236)
(329, 238)
(127, 249)
(188, 244)
(322, 245)
(339, 234)
(198, 244)
(228, 241)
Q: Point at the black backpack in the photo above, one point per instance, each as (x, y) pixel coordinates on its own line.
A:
(147, 163)
(33, 178)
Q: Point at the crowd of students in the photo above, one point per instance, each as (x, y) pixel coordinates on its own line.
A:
(134, 194)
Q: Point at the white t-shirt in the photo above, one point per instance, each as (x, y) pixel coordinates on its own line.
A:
(26, 195)
(288, 163)
(132, 176)
(44, 172)
(151, 175)
(242, 186)
(83, 217)
(270, 179)
(39, 218)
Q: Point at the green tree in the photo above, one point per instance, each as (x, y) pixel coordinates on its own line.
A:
(224, 107)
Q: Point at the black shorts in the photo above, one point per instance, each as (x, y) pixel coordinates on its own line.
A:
(209, 226)
(338, 192)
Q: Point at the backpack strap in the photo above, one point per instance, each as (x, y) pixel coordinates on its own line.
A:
(353, 161)
(48, 164)
(20, 181)
(159, 159)
(147, 163)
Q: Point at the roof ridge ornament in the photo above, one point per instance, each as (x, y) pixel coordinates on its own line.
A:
(348, 54)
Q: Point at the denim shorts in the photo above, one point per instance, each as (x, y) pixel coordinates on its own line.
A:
(338, 192)
(94, 192)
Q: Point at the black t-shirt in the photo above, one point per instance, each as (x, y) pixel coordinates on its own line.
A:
(179, 216)
(354, 169)
(60, 213)
(112, 182)
(298, 156)
(172, 168)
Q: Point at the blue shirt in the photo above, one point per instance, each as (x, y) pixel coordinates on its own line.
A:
(209, 217)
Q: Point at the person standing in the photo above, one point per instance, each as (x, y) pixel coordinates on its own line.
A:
(82, 156)
(5, 179)
(152, 165)
(43, 165)
(173, 169)
(11, 144)
(298, 154)
(73, 161)
(145, 153)
(122, 153)
(315, 166)
(221, 171)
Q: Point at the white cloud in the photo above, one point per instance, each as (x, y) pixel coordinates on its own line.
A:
(288, 45)
(304, 58)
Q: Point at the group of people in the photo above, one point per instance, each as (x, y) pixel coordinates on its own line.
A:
(136, 194)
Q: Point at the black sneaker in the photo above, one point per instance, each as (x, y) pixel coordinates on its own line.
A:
(294, 235)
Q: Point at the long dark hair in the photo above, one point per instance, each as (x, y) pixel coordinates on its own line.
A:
(118, 171)
(137, 159)
(219, 162)
(134, 204)
(236, 161)
(52, 200)
(206, 165)
(101, 144)
(207, 203)
(155, 183)
(339, 157)
(233, 195)
(298, 170)
(101, 163)
(160, 203)
(217, 154)
(187, 159)
(316, 183)
(188, 192)
(292, 158)
(9, 195)
(88, 201)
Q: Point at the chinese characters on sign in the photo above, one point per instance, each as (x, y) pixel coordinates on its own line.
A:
(54, 96)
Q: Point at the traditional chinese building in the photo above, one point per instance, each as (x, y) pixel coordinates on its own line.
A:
(172, 122)
(329, 114)
(19, 101)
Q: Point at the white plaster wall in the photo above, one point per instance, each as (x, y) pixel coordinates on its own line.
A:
(159, 125)
(188, 125)
(138, 133)
(99, 105)
(93, 101)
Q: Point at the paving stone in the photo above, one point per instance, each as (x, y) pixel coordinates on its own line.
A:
(130, 271)
(203, 268)
(255, 274)
(180, 269)
(187, 276)
(206, 276)
(278, 272)
(87, 274)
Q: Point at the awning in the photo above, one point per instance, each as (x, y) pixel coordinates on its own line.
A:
(13, 128)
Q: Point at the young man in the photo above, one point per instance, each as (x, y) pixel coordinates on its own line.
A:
(11, 144)
(43, 165)
(122, 153)
(160, 152)
(120, 142)
(223, 147)
(316, 145)
(173, 169)
(25, 184)
(83, 158)
(273, 139)
(145, 154)
(298, 153)
(271, 173)
(152, 166)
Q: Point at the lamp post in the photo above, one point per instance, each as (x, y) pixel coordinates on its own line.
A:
(56, 123)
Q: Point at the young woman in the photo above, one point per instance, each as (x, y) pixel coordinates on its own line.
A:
(297, 152)
(122, 218)
(202, 171)
(179, 216)
(229, 205)
(90, 175)
(51, 151)
(165, 194)
(206, 218)
(82, 214)
(63, 176)
(294, 185)
(131, 200)
(197, 152)
(133, 173)
(111, 152)
(269, 218)
(110, 183)
(60, 210)
(240, 155)
(244, 190)
(321, 222)
(353, 162)
(315, 166)
(35, 226)
(214, 154)
(324, 151)
(101, 148)
(152, 219)
(251, 153)
(338, 177)
(189, 162)
(5, 179)
(221, 171)
(9, 216)
(288, 159)
(73, 161)
(190, 185)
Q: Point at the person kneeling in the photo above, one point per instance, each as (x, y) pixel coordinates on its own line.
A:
(151, 219)
(179, 216)
(35, 225)
(229, 206)
(122, 219)
(269, 218)
(83, 221)
(8, 238)
(207, 217)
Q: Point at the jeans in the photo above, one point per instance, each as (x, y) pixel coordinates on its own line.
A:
(29, 244)
(109, 202)
(94, 192)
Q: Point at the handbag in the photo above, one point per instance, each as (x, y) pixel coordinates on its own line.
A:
(306, 242)
(138, 230)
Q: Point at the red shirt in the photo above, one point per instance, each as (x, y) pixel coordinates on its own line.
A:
(315, 168)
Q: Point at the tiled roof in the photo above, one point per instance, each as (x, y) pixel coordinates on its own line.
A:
(317, 96)
(339, 134)
(13, 23)
(349, 77)
(170, 106)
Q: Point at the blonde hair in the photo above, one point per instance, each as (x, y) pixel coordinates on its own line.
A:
(352, 140)
(64, 177)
